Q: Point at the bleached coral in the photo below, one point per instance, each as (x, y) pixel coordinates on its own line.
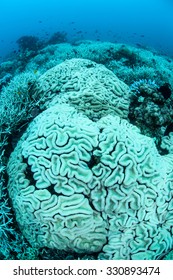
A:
(16, 102)
(89, 87)
(91, 186)
(167, 143)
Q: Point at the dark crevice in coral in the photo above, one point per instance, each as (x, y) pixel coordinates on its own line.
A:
(169, 129)
(51, 189)
(28, 173)
(161, 150)
(89, 65)
(30, 176)
(94, 160)
(90, 203)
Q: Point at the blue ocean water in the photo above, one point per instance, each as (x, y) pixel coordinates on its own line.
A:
(145, 22)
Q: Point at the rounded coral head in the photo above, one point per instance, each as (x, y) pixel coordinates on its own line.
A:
(87, 186)
(87, 86)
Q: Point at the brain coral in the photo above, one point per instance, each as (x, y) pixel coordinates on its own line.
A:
(86, 85)
(91, 186)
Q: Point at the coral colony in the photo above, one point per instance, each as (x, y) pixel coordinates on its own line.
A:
(86, 152)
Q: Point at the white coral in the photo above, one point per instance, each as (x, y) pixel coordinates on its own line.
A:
(89, 87)
(91, 186)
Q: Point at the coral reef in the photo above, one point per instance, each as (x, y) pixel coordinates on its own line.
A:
(129, 63)
(17, 105)
(167, 143)
(151, 107)
(29, 43)
(5, 80)
(128, 192)
(88, 187)
(86, 85)
(13, 245)
(57, 38)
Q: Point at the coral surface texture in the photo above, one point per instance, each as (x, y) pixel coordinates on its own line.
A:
(91, 186)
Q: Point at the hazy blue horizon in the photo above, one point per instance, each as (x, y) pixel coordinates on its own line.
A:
(148, 22)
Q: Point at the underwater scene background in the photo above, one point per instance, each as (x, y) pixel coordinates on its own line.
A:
(86, 130)
(130, 21)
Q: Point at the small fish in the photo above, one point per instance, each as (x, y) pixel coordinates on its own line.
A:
(138, 45)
